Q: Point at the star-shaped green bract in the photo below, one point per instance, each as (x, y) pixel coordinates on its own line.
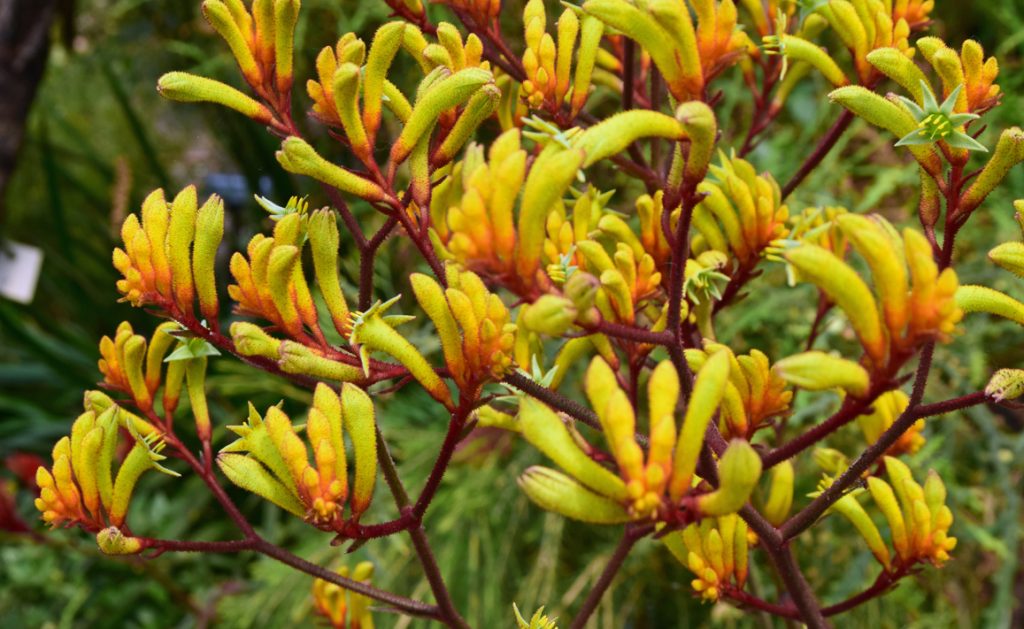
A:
(938, 122)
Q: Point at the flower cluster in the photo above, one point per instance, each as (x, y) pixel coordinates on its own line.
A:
(659, 486)
(272, 461)
(715, 551)
(555, 233)
(342, 608)
(80, 487)
(917, 516)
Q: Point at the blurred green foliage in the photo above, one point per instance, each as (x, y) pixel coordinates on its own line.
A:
(100, 139)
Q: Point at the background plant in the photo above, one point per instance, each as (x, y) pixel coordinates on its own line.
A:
(767, 307)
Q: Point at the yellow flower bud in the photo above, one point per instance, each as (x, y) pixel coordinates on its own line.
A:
(554, 491)
(984, 299)
(780, 494)
(739, 470)
(189, 88)
(111, 541)
(297, 156)
(842, 284)
(1005, 384)
(708, 390)
(551, 315)
(817, 371)
(546, 432)
(361, 425)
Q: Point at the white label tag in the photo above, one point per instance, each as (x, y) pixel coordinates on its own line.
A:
(19, 271)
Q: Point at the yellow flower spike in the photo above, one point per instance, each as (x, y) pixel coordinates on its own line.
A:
(209, 232)
(599, 383)
(145, 455)
(551, 315)
(983, 299)
(180, 234)
(843, 286)
(886, 410)
(159, 345)
(442, 96)
(618, 290)
(674, 17)
(843, 17)
(708, 390)
(254, 438)
(298, 157)
(361, 425)
(620, 422)
(1010, 256)
(714, 551)
(553, 171)
(739, 470)
(183, 87)
(300, 359)
(248, 474)
(432, 299)
(101, 458)
(934, 494)
(386, 43)
(195, 381)
(85, 457)
(99, 402)
(111, 541)
(450, 38)
(855, 513)
(243, 19)
(887, 115)
(796, 49)
(290, 447)
(324, 434)
(345, 85)
(701, 128)
(134, 355)
(546, 432)
(251, 340)
(263, 23)
(979, 77)
(662, 395)
(156, 218)
(1005, 384)
(780, 494)
(554, 491)
(877, 248)
(1009, 152)
(591, 31)
(568, 29)
(818, 371)
(373, 331)
(901, 69)
(286, 16)
(221, 19)
(933, 304)
(883, 495)
(614, 134)
(478, 109)
(323, 243)
(280, 272)
(727, 532)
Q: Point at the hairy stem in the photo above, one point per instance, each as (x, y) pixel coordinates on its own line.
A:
(809, 514)
(825, 146)
(629, 538)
